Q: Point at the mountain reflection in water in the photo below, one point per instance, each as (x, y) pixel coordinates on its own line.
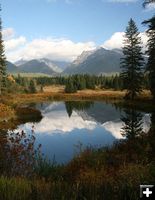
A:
(65, 124)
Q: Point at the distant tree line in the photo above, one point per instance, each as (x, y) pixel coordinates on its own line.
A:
(72, 83)
(80, 82)
(28, 85)
(45, 81)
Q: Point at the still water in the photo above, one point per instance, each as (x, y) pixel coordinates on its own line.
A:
(67, 127)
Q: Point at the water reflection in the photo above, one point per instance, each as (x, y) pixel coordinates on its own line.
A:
(78, 106)
(24, 115)
(132, 123)
(65, 124)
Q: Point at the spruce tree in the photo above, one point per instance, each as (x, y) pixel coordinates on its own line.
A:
(32, 87)
(70, 86)
(151, 53)
(2, 62)
(132, 62)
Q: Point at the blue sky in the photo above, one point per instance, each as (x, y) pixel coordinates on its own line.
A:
(88, 22)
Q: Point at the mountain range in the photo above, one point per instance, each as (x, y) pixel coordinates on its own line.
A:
(100, 61)
(37, 66)
(96, 62)
(12, 68)
(44, 65)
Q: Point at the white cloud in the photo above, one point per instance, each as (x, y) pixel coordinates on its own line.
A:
(144, 39)
(13, 44)
(150, 7)
(57, 49)
(116, 40)
(8, 33)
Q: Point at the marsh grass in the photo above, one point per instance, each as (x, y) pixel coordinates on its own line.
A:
(93, 174)
(4, 110)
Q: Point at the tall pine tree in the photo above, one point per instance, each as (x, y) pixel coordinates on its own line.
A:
(2, 62)
(132, 62)
(151, 54)
(32, 87)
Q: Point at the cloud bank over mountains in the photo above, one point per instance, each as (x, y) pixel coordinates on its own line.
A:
(61, 49)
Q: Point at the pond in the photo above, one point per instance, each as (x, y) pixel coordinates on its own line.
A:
(68, 127)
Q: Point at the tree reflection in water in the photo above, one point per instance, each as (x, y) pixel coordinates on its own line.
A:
(136, 139)
(140, 145)
(77, 105)
(132, 123)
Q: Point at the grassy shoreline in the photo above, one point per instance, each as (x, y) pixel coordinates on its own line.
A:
(45, 96)
(12, 101)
